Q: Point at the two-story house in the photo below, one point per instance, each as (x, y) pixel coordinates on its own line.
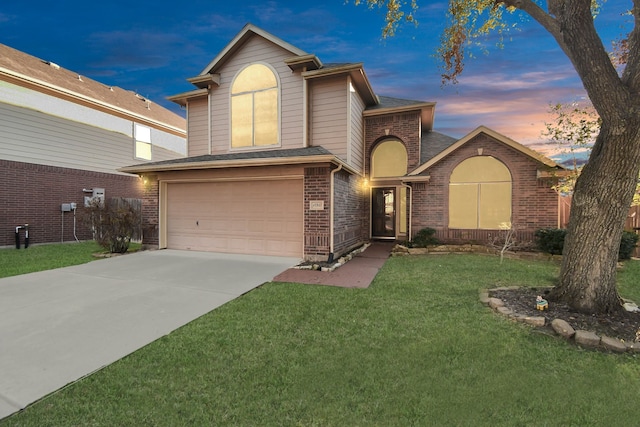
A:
(291, 156)
(63, 138)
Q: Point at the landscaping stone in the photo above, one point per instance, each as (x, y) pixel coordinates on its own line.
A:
(613, 344)
(633, 347)
(504, 310)
(484, 297)
(495, 303)
(587, 339)
(535, 321)
(563, 328)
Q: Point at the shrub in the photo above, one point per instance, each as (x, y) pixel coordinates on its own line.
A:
(551, 240)
(114, 223)
(627, 245)
(425, 237)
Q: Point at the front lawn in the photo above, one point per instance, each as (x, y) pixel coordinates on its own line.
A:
(416, 348)
(45, 257)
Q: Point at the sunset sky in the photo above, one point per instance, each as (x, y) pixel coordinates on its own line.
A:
(152, 47)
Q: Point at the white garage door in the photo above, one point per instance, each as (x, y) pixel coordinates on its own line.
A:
(245, 217)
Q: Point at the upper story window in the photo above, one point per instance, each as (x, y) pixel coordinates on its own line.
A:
(254, 108)
(480, 194)
(143, 142)
(389, 159)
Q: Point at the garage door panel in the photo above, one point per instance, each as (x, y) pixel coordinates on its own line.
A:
(254, 217)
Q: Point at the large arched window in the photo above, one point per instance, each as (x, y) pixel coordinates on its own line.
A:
(389, 159)
(254, 107)
(480, 194)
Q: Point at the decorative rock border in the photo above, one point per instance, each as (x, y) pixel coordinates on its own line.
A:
(339, 263)
(562, 328)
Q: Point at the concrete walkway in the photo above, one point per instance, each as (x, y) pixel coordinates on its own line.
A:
(357, 273)
(59, 325)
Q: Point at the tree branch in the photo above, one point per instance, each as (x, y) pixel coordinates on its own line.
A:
(631, 74)
(547, 21)
(573, 29)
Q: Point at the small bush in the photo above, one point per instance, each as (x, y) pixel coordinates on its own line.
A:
(425, 237)
(114, 223)
(551, 240)
(627, 245)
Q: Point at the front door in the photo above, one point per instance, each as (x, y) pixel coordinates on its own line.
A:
(383, 212)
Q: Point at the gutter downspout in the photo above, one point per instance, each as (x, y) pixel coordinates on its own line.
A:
(410, 209)
(331, 214)
(305, 110)
(209, 130)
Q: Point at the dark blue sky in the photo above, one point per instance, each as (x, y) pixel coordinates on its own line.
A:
(151, 47)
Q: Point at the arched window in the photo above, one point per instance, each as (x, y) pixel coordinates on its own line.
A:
(389, 159)
(480, 194)
(254, 107)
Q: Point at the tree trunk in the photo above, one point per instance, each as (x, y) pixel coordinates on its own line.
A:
(600, 205)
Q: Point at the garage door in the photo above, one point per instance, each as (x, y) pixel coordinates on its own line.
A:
(245, 217)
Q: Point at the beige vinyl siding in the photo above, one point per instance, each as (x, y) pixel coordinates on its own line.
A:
(198, 127)
(33, 137)
(329, 115)
(259, 50)
(356, 154)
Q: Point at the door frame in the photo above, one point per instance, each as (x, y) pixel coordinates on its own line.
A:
(394, 222)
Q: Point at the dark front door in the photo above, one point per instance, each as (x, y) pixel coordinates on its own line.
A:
(383, 215)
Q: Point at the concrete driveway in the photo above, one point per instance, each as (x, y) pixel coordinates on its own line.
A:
(57, 326)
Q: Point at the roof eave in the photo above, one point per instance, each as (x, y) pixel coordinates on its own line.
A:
(78, 98)
(234, 163)
(303, 62)
(358, 76)
(183, 98)
(205, 80)
(244, 34)
(427, 111)
(499, 137)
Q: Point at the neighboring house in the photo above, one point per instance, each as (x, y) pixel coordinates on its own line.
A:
(63, 137)
(290, 156)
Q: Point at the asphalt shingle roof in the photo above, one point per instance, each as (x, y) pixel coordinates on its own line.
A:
(244, 155)
(434, 143)
(52, 74)
(389, 102)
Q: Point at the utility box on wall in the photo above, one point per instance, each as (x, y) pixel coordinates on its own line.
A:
(96, 194)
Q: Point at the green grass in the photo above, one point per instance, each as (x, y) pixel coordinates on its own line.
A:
(416, 348)
(46, 257)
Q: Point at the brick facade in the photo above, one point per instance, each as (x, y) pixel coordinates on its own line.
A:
(317, 184)
(349, 225)
(150, 211)
(404, 127)
(33, 194)
(534, 202)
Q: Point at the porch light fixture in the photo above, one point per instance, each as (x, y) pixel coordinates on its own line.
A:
(365, 183)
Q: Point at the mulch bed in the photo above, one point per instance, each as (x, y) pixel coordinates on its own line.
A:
(622, 325)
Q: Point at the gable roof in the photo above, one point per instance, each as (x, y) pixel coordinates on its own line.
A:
(386, 105)
(47, 77)
(493, 134)
(434, 143)
(240, 39)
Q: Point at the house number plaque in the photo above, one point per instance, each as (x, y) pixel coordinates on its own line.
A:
(316, 205)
